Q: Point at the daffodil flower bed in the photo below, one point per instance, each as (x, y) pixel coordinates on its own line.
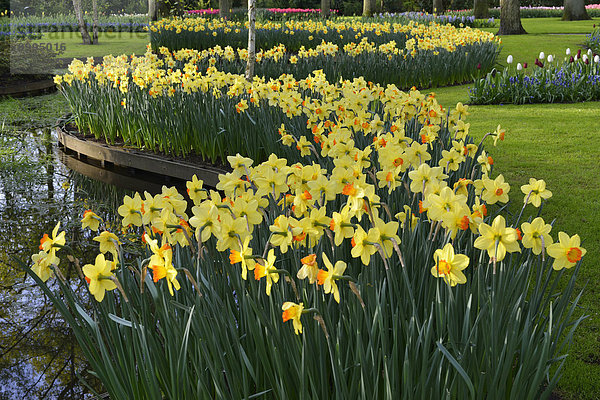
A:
(418, 63)
(205, 33)
(386, 268)
(547, 80)
(131, 99)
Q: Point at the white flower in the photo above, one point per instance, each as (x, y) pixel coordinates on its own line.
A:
(584, 57)
(568, 51)
(519, 67)
(589, 52)
(597, 59)
(550, 58)
(542, 55)
(509, 59)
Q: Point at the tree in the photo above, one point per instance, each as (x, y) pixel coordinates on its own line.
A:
(95, 21)
(438, 7)
(368, 8)
(510, 18)
(575, 11)
(251, 39)
(480, 9)
(325, 6)
(225, 8)
(85, 36)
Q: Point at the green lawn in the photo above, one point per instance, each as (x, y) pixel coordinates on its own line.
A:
(559, 143)
(115, 43)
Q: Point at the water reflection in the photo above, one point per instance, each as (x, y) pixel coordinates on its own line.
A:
(38, 354)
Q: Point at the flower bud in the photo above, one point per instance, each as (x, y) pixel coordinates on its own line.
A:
(519, 67)
(568, 51)
(597, 59)
(550, 58)
(542, 55)
(509, 59)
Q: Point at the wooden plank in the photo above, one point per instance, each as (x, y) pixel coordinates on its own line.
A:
(109, 177)
(135, 159)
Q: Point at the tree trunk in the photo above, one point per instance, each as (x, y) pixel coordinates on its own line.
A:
(575, 11)
(152, 15)
(225, 8)
(438, 7)
(85, 36)
(95, 21)
(251, 39)
(480, 9)
(368, 8)
(510, 18)
(325, 6)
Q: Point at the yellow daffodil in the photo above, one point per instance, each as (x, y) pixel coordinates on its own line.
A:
(131, 210)
(495, 190)
(497, 239)
(341, 226)
(108, 243)
(535, 191)
(328, 278)
(309, 269)
(51, 244)
(41, 264)
(244, 257)
(99, 275)
(195, 191)
(267, 270)
(293, 311)
(566, 252)
(90, 220)
(449, 266)
(536, 235)
(363, 244)
(161, 263)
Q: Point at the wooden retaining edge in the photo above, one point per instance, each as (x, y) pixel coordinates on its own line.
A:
(29, 89)
(131, 158)
(109, 177)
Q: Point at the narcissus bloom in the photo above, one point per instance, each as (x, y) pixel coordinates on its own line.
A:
(566, 252)
(536, 235)
(328, 278)
(41, 264)
(363, 244)
(131, 210)
(161, 263)
(495, 190)
(309, 269)
(293, 311)
(535, 191)
(449, 265)
(195, 191)
(267, 270)
(244, 256)
(497, 239)
(108, 243)
(99, 275)
(90, 220)
(50, 244)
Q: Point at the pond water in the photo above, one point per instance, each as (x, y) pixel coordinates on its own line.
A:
(39, 357)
